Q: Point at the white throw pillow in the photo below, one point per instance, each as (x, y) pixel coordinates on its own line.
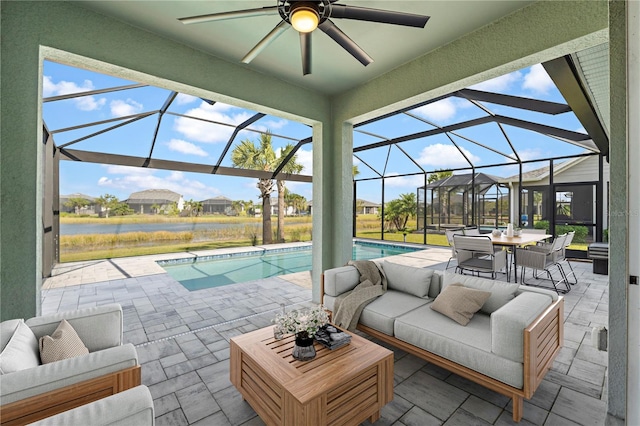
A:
(21, 351)
(408, 279)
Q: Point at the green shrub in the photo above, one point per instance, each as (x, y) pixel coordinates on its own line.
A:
(542, 224)
(580, 230)
(605, 235)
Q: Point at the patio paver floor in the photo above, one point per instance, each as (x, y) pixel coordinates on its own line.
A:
(182, 339)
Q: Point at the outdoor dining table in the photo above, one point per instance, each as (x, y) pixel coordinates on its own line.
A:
(513, 242)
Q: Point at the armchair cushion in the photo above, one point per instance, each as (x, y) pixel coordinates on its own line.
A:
(21, 350)
(133, 407)
(47, 377)
(99, 328)
(62, 344)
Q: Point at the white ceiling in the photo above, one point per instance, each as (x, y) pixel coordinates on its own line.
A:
(334, 70)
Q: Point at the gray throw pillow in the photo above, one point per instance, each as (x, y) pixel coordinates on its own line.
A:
(460, 303)
(408, 279)
(501, 292)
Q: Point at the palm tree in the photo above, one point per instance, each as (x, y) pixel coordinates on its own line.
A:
(262, 157)
(108, 202)
(291, 167)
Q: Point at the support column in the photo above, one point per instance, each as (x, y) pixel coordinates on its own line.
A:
(332, 199)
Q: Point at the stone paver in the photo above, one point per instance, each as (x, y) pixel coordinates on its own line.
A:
(182, 339)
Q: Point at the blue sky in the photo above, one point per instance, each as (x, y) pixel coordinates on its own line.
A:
(188, 140)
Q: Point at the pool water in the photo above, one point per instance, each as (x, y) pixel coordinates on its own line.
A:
(203, 274)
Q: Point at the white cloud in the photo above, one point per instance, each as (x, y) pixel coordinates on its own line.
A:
(303, 157)
(184, 147)
(183, 99)
(537, 80)
(84, 103)
(275, 124)
(412, 181)
(202, 131)
(499, 83)
(120, 108)
(445, 156)
(133, 179)
(438, 111)
(89, 103)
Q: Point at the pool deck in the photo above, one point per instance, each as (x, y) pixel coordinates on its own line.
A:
(182, 339)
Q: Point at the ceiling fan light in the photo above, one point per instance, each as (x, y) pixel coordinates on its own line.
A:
(304, 19)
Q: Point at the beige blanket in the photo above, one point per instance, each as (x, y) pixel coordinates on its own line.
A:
(349, 306)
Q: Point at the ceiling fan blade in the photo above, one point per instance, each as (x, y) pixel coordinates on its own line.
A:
(378, 15)
(305, 50)
(330, 29)
(266, 41)
(234, 14)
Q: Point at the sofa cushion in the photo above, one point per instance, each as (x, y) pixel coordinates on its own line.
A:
(459, 302)
(21, 350)
(469, 346)
(501, 292)
(340, 280)
(62, 344)
(382, 312)
(508, 323)
(408, 279)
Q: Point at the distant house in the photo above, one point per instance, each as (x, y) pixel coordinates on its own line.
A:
(367, 207)
(572, 198)
(217, 205)
(90, 208)
(153, 201)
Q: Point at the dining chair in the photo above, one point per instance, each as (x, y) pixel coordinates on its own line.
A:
(544, 258)
(477, 254)
(562, 259)
(450, 233)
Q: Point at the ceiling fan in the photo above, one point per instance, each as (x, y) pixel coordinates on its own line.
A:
(306, 16)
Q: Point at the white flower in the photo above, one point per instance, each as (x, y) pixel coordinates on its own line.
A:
(305, 321)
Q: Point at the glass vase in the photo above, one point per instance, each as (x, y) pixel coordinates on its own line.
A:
(303, 350)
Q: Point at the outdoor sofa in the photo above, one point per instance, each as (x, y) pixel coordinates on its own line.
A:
(508, 346)
(30, 390)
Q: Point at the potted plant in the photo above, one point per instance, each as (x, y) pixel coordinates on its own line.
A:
(303, 324)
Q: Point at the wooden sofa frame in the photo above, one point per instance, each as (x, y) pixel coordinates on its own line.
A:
(47, 404)
(543, 339)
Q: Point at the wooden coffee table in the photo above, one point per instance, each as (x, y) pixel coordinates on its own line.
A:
(342, 386)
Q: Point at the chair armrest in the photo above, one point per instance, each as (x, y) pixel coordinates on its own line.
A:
(47, 377)
(131, 407)
(508, 324)
(99, 328)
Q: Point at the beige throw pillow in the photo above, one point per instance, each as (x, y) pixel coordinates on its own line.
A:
(460, 303)
(62, 344)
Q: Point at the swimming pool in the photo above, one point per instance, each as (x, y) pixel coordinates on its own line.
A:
(216, 271)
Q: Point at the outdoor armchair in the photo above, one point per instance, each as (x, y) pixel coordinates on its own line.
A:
(32, 390)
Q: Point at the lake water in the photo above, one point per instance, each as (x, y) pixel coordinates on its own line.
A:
(90, 228)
